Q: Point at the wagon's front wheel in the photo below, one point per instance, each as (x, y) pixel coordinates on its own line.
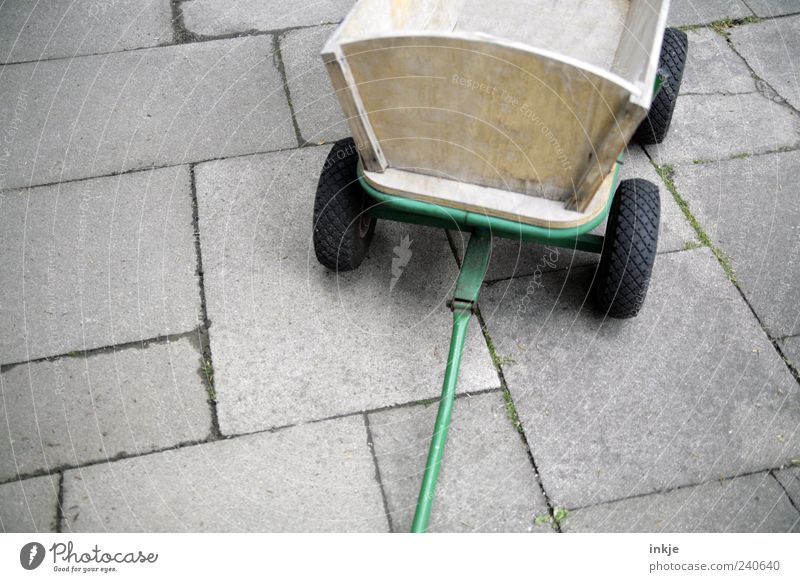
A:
(629, 250)
(671, 63)
(342, 227)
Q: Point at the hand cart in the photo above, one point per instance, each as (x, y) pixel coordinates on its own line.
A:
(510, 124)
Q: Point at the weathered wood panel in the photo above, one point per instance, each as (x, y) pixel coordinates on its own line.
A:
(489, 114)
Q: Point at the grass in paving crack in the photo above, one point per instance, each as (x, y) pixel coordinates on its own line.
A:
(558, 517)
(497, 359)
(208, 373)
(498, 362)
(722, 26)
(511, 410)
(666, 172)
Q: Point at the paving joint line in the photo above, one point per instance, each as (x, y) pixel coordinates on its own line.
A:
(735, 22)
(160, 45)
(785, 491)
(762, 83)
(80, 56)
(64, 467)
(180, 34)
(186, 36)
(410, 404)
(207, 365)
(492, 282)
(770, 17)
(142, 343)
(378, 478)
(677, 488)
(154, 167)
(732, 157)
(121, 456)
(277, 57)
(795, 373)
(60, 504)
(517, 422)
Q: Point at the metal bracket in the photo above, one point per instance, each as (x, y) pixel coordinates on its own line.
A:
(463, 306)
(473, 267)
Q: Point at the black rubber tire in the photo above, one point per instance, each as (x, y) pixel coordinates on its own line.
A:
(342, 229)
(671, 63)
(629, 250)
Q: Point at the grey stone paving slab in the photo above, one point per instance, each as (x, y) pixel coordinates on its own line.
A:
(315, 105)
(772, 48)
(713, 67)
(75, 410)
(790, 480)
(773, 7)
(97, 115)
(29, 505)
(67, 28)
(210, 17)
(486, 482)
(315, 477)
(292, 341)
(754, 503)
(689, 391)
(95, 263)
(712, 127)
(683, 12)
(791, 349)
(518, 259)
(750, 208)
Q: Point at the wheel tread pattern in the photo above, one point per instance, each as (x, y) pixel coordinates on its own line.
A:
(672, 61)
(337, 207)
(629, 250)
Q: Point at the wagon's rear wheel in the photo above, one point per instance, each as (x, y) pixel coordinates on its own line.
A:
(342, 227)
(629, 250)
(671, 63)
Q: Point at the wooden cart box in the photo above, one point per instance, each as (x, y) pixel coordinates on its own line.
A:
(514, 108)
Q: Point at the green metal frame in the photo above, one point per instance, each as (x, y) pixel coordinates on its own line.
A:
(470, 279)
